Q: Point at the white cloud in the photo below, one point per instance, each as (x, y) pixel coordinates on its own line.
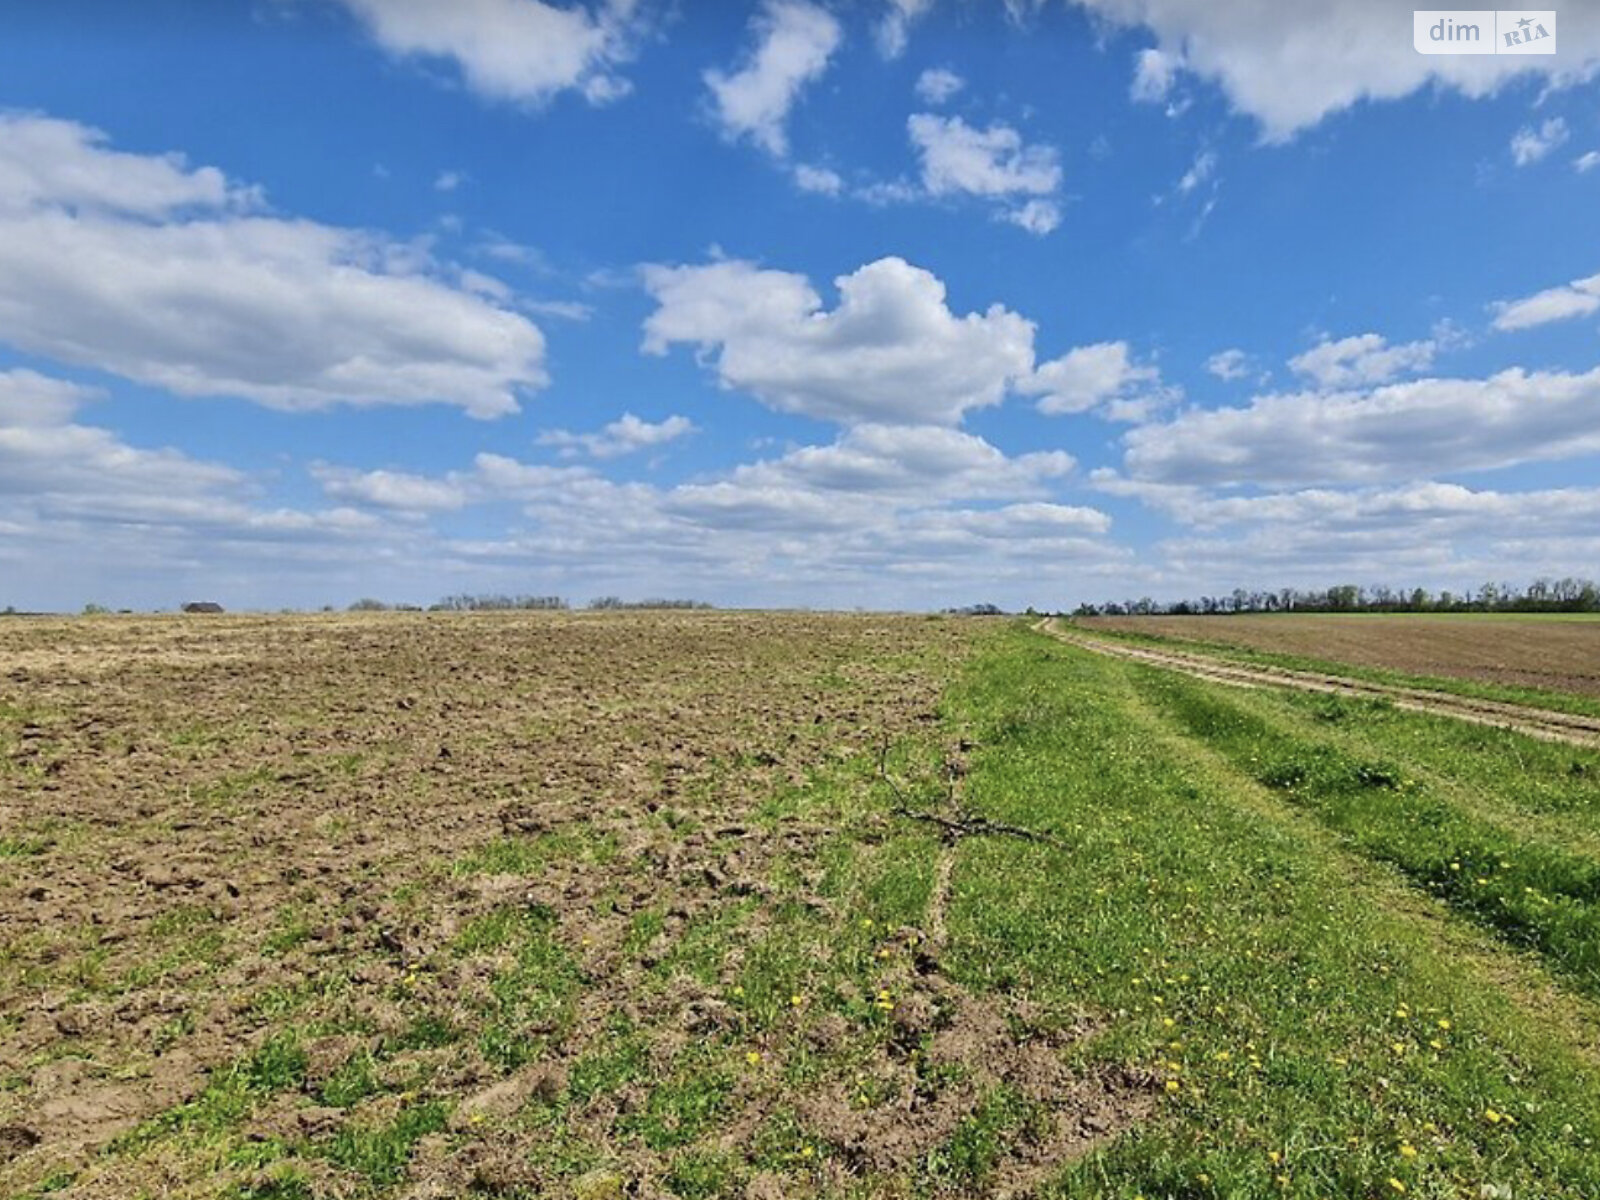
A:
(1290, 65)
(523, 51)
(1100, 377)
(565, 310)
(175, 281)
(29, 399)
(1364, 359)
(1396, 432)
(1230, 364)
(390, 489)
(892, 351)
(937, 84)
(1204, 166)
(993, 163)
(1036, 216)
(46, 162)
(1576, 299)
(626, 435)
(983, 162)
(448, 181)
(796, 40)
(895, 26)
(1154, 73)
(1529, 145)
(83, 505)
(1437, 509)
(1587, 161)
(916, 464)
(818, 179)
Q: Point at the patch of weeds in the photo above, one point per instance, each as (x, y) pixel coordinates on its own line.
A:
(532, 999)
(643, 929)
(352, 1082)
(682, 1108)
(381, 1153)
(294, 927)
(622, 1057)
(23, 847)
(429, 1031)
(277, 1065)
(966, 1161)
(530, 855)
(286, 1185)
(702, 1175)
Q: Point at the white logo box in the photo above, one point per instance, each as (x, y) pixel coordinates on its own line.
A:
(1484, 31)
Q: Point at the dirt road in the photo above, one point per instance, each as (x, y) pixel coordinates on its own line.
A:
(1570, 728)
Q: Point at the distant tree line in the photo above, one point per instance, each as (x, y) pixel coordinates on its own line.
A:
(497, 603)
(615, 602)
(1567, 595)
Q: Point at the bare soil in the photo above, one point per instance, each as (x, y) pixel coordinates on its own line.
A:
(464, 859)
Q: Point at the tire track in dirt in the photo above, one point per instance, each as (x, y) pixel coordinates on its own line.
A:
(1570, 728)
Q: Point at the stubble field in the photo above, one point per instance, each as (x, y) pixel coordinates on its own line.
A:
(728, 905)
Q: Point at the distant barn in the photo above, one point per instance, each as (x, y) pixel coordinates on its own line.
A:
(202, 606)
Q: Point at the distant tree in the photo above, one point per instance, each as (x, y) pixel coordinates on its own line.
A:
(368, 604)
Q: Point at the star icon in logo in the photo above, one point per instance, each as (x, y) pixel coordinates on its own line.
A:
(1524, 23)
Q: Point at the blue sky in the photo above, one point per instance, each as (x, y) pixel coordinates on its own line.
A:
(883, 303)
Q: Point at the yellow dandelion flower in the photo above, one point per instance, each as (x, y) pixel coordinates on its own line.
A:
(1492, 1117)
(1173, 1085)
(753, 1057)
(1443, 1024)
(1407, 1150)
(1399, 1187)
(797, 1000)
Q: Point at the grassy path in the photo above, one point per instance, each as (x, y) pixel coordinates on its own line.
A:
(1320, 1028)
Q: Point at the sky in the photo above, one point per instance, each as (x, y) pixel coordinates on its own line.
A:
(796, 303)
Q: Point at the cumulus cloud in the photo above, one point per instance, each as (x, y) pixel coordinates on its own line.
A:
(1586, 162)
(1230, 364)
(1290, 65)
(397, 490)
(894, 27)
(178, 280)
(1395, 432)
(522, 51)
(890, 352)
(923, 464)
(1364, 359)
(795, 41)
(994, 163)
(818, 179)
(1530, 144)
(1100, 378)
(1579, 298)
(626, 435)
(937, 85)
